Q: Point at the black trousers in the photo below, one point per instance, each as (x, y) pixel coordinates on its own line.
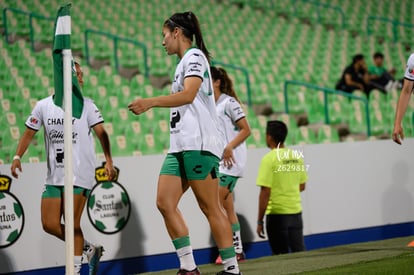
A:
(285, 233)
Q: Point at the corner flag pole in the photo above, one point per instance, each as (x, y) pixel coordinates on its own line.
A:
(67, 124)
(67, 91)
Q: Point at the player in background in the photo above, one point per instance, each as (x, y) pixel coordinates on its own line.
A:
(404, 99)
(50, 116)
(196, 143)
(237, 130)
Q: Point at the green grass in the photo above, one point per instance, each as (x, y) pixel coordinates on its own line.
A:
(403, 264)
(390, 256)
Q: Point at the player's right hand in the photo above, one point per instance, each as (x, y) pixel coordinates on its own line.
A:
(260, 231)
(398, 134)
(16, 164)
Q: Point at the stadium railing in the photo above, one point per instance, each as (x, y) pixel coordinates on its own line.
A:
(30, 16)
(326, 91)
(320, 7)
(395, 25)
(115, 40)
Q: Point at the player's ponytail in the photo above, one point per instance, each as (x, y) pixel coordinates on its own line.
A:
(226, 84)
(188, 23)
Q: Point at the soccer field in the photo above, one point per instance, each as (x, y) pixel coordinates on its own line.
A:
(390, 256)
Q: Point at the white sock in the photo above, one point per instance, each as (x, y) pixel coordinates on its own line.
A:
(77, 260)
(86, 244)
(230, 265)
(238, 246)
(186, 257)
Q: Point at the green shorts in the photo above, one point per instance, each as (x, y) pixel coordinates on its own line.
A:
(228, 181)
(191, 165)
(52, 191)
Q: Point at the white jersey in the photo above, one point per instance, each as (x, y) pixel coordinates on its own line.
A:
(195, 126)
(229, 112)
(51, 117)
(409, 70)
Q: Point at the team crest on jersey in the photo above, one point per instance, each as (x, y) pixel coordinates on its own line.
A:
(109, 206)
(11, 214)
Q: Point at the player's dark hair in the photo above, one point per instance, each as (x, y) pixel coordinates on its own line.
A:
(226, 84)
(277, 130)
(188, 23)
(378, 55)
(356, 58)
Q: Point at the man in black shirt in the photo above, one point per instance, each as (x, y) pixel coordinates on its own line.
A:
(355, 77)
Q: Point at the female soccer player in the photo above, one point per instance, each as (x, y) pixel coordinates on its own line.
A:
(196, 143)
(237, 130)
(50, 116)
(407, 90)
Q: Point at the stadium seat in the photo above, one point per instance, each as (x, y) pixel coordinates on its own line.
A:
(256, 140)
(149, 145)
(122, 146)
(304, 135)
(327, 134)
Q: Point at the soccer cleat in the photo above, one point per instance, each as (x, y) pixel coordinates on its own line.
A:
(223, 272)
(94, 254)
(241, 257)
(218, 260)
(186, 272)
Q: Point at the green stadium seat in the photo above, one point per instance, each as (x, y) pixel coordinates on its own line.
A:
(357, 122)
(257, 138)
(149, 145)
(121, 146)
(327, 134)
(304, 135)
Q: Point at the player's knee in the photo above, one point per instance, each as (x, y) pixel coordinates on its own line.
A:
(204, 208)
(164, 206)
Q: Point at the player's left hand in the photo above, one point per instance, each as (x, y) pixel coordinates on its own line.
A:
(110, 171)
(260, 231)
(140, 105)
(398, 134)
(228, 158)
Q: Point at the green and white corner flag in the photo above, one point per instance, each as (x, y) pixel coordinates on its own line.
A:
(61, 42)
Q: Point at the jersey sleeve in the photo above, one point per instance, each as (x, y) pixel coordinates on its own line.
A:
(34, 121)
(409, 70)
(195, 66)
(94, 116)
(234, 110)
(265, 174)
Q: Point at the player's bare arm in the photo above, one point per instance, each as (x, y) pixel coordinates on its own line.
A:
(398, 132)
(191, 87)
(21, 149)
(104, 140)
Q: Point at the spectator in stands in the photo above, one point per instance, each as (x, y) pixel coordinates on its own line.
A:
(355, 77)
(50, 116)
(404, 99)
(196, 144)
(282, 176)
(381, 78)
(237, 130)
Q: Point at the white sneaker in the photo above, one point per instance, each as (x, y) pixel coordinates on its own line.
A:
(94, 254)
(77, 269)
